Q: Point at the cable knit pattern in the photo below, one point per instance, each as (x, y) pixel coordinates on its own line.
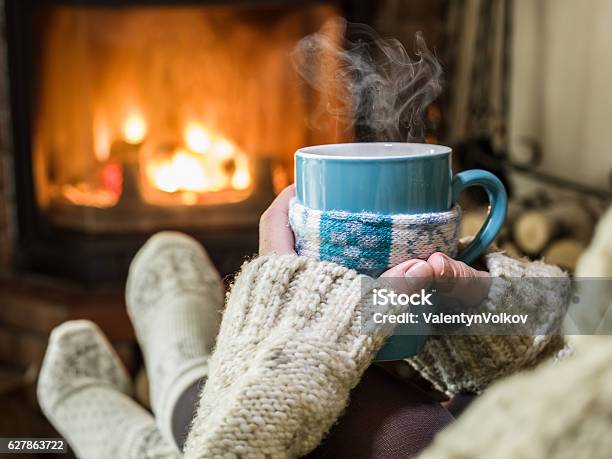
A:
(456, 364)
(371, 243)
(288, 352)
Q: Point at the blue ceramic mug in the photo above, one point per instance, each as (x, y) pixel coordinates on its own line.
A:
(394, 178)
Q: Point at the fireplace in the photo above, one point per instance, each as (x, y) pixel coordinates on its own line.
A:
(133, 117)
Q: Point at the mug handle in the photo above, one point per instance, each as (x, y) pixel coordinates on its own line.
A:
(498, 200)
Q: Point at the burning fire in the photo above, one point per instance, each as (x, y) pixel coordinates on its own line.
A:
(102, 140)
(197, 138)
(166, 113)
(182, 172)
(208, 162)
(134, 128)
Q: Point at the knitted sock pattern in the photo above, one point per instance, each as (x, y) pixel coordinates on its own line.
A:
(370, 243)
(83, 389)
(173, 295)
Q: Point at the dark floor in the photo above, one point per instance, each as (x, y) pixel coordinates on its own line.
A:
(21, 417)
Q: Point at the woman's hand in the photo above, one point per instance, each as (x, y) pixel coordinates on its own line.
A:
(420, 274)
(471, 291)
(275, 236)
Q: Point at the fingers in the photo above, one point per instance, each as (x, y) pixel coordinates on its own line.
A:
(474, 287)
(409, 276)
(275, 236)
(410, 268)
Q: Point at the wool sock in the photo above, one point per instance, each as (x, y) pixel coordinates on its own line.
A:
(82, 389)
(174, 296)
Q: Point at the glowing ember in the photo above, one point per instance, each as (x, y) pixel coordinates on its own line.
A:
(83, 194)
(208, 163)
(196, 137)
(112, 178)
(223, 149)
(134, 128)
(241, 180)
(182, 172)
(186, 171)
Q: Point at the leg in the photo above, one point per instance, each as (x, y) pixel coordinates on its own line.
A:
(184, 412)
(173, 296)
(82, 389)
(386, 418)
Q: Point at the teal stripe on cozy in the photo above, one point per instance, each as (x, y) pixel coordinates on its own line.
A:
(371, 243)
(358, 241)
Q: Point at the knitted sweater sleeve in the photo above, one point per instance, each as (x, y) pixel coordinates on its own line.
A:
(455, 364)
(289, 350)
(561, 409)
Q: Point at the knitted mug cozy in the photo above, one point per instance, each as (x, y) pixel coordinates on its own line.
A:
(371, 243)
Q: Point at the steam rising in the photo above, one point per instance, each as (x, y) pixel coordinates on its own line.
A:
(370, 82)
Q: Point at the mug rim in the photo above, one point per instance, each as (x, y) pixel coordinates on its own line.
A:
(325, 151)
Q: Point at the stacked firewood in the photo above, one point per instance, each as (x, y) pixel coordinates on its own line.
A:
(554, 230)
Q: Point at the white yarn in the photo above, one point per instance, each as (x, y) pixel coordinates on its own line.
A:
(289, 350)
(174, 295)
(83, 391)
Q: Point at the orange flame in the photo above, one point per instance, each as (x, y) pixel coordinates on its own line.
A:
(196, 137)
(207, 163)
(134, 128)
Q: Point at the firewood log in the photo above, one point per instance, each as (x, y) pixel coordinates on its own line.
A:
(564, 253)
(511, 249)
(535, 229)
(532, 232)
(514, 211)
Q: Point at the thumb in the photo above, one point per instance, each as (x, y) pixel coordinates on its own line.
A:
(409, 276)
(275, 236)
(459, 280)
(444, 267)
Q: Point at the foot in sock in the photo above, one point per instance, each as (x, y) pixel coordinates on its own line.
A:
(174, 296)
(83, 390)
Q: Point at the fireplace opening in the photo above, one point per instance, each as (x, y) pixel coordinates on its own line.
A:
(133, 118)
(146, 109)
